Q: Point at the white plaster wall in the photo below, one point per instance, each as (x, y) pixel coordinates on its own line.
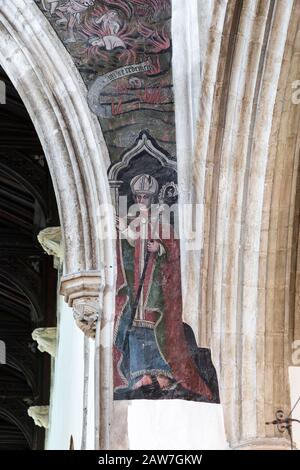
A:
(90, 438)
(66, 402)
(175, 425)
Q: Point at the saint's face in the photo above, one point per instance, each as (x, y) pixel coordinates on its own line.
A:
(143, 200)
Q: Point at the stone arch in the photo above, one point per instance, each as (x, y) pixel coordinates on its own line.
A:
(245, 184)
(52, 90)
(54, 95)
(279, 254)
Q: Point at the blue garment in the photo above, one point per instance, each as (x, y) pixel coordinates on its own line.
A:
(145, 357)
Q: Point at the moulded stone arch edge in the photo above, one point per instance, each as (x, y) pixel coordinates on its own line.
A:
(55, 97)
(243, 409)
(37, 88)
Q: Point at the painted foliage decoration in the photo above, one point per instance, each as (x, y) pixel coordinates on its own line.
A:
(123, 51)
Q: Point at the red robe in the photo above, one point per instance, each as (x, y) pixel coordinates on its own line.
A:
(175, 349)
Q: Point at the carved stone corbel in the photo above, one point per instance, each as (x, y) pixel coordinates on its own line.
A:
(86, 314)
(40, 415)
(46, 339)
(82, 292)
(50, 239)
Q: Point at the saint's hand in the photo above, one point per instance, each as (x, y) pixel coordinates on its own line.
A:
(121, 224)
(153, 246)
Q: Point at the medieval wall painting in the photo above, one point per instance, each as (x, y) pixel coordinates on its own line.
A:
(123, 51)
(155, 353)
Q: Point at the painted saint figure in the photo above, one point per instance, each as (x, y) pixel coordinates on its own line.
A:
(70, 13)
(152, 358)
(111, 24)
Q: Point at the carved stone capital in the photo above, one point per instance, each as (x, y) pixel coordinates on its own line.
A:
(46, 339)
(40, 415)
(82, 292)
(86, 313)
(50, 240)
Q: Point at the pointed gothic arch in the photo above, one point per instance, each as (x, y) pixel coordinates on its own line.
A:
(53, 92)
